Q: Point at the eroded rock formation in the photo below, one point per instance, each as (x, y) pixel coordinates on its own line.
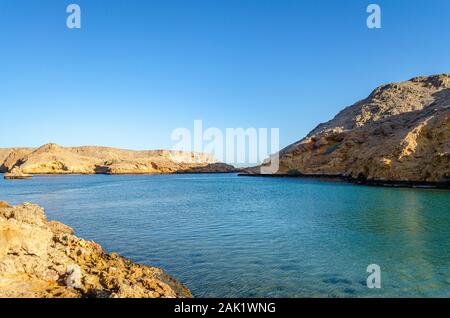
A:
(16, 173)
(41, 258)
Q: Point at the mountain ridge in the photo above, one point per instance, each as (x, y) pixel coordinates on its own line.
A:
(54, 159)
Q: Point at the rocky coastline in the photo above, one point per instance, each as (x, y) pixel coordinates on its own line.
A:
(44, 259)
(398, 136)
(16, 174)
(54, 159)
(341, 178)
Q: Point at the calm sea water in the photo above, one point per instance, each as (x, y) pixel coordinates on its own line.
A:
(230, 236)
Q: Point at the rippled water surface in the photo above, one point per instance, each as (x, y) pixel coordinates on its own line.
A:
(229, 236)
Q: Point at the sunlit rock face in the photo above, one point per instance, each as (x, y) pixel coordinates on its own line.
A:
(41, 258)
(401, 132)
(54, 159)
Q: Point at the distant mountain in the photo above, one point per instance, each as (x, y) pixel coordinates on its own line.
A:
(54, 159)
(401, 132)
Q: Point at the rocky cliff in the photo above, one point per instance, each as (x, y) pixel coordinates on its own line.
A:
(400, 132)
(54, 159)
(41, 258)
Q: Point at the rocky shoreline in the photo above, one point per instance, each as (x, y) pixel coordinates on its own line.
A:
(398, 136)
(54, 159)
(44, 259)
(16, 174)
(378, 183)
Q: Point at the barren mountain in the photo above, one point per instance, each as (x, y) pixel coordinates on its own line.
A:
(401, 132)
(54, 159)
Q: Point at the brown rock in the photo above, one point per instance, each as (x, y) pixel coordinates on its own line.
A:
(40, 258)
(401, 132)
(60, 228)
(17, 173)
(53, 159)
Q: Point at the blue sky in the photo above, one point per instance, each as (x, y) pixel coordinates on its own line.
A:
(138, 69)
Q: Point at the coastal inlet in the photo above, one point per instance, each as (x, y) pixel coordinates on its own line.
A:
(227, 236)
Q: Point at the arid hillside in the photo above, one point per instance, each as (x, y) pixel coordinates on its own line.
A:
(400, 132)
(54, 159)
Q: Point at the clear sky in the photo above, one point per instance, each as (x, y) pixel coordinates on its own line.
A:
(138, 69)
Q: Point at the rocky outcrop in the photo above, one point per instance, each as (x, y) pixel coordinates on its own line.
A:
(211, 168)
(54, 159)
(10, 156)
(401, 132)
(16, 173)
(41, 258)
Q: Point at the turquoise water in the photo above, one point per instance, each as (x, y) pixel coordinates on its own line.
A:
(230, 236)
